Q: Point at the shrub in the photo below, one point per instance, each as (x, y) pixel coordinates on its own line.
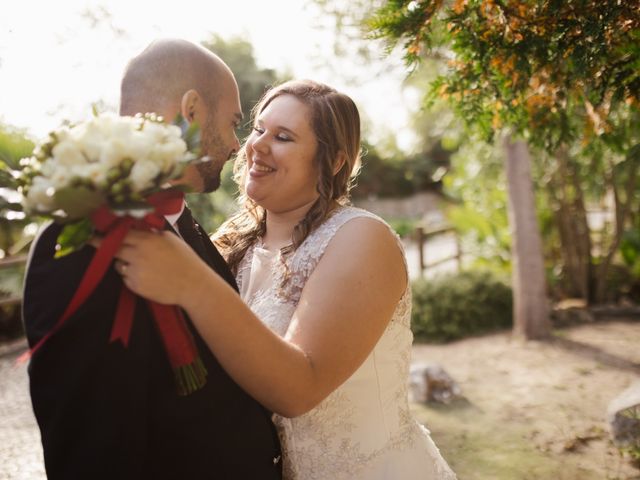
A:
(457, 305)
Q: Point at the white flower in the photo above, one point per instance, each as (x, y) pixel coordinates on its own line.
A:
(67, 152)
(137, 146)
(168, 154)
(61, 177)
(155, 132)
(102, 152)
(40, 196)
(94, 172)
(91, 138)
(143, 174)
(48, 167)
(113, 152)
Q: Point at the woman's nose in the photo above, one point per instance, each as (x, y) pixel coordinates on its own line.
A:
(260, 142)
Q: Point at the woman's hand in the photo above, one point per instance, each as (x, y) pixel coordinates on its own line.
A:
(158, 266)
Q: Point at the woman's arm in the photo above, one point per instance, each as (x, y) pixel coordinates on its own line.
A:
(345, 306)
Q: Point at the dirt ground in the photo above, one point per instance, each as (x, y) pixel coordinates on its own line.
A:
(535, 410)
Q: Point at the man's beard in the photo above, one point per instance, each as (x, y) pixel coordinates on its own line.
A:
(210, 171)
(210, 174)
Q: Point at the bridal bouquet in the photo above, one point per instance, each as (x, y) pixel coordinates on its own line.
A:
(106, 176)
(108, 161)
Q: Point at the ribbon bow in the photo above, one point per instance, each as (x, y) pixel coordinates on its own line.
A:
(187, 365)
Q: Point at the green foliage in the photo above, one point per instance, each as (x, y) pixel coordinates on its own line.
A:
(73, 236)
(555, 70)
(561, 74)
(14, 145)
(480, 217)
(400, 175)
(630, 250)
(404, 227)
(191, 133)
(212, 209)
(453, 306)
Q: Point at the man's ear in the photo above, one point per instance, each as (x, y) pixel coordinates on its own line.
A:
(191, 105)
(341, 159)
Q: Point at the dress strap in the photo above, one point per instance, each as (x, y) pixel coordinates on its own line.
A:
(306, 257)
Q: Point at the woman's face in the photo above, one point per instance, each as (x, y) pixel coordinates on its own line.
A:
(281, 175)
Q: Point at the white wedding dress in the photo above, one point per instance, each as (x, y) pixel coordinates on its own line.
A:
(364, 429)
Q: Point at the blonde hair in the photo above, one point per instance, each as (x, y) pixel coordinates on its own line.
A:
(336, 123)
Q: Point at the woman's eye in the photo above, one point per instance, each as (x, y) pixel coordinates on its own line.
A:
(259, 130)
(283, 138)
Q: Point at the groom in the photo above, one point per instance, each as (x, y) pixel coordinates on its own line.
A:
(110, 412)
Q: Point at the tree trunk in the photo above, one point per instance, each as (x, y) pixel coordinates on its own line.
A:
(570, 215)
(530, 303)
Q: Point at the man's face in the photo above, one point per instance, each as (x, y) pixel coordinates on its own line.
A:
(218, 137)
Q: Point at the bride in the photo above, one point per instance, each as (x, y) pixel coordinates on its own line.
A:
(321, 335)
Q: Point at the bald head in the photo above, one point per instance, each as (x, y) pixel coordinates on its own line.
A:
(157, 79)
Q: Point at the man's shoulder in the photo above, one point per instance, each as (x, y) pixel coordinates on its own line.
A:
(44, 243)
(43, 250)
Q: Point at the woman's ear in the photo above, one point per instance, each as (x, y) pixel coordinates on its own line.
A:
(341, 159)
(191, 105)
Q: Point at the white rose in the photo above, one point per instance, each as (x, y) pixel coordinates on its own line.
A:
(142, 174)
(113, 152)
(169, 154)
(67, 152)
(91, 138)
(40, 196)
(95, 172)
(174, 132)
(137, 146)
(155, 132)
(104, 123)
(122, 125)
(49, 167)
(61, 177)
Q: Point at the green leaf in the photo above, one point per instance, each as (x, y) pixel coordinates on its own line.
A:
(73, 237)
(630, 247)
(78, 202)
(6, 179)
(190, 133)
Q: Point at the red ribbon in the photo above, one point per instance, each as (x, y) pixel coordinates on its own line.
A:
(173, 329)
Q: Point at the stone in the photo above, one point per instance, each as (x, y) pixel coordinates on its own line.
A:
(431, 383)
(623, 416)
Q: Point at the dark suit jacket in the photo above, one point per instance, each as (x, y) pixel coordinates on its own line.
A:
(110, 412)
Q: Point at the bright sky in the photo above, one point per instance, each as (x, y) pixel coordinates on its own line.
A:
(54, 63)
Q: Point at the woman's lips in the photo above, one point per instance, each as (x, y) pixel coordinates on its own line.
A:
(260, 169)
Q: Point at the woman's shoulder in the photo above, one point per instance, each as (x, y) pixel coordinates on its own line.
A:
(344, 214)
(353, 223)
(359, 239)
(358, 222)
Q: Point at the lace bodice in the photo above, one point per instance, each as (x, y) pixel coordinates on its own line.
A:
(364, 428)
